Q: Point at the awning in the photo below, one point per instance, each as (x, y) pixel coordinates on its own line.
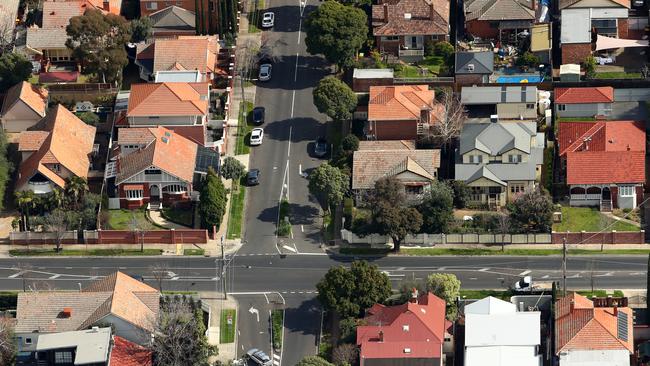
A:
(134, 187)
(515, 24)
(608, 43)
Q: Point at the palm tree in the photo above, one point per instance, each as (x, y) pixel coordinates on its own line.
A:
(74, 188)
(24, 201)
(55, 199)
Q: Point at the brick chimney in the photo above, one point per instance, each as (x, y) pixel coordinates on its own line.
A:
(66, 313)
(615, 310)
(414, 295)
(533, 4)
(432, 13)
(386, 13)
(381, 336)
(572, 306)
(107, 5)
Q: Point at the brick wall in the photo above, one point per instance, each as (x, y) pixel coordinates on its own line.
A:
(177, 236)
(363, 85)
(623, 28)
(600, 238)
(482, 28)
(575, 53)
(469, 79)
(394, 130)
(133, 204)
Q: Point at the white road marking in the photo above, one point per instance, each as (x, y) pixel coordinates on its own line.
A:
(16, 274)
(293, 99)
(442, 268)
(289, 148)
(276, 362)
(289, 248)
(252, 310)
(483, 269)
(545, 276)
(302, 229)
(267, 298)
(295, 73)
(294, 244)
(525, 273)
(636, 273)
(55, 276)
(292, 235)
(608, 274)
(175, 278)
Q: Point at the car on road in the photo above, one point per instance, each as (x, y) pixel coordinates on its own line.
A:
(320, 147)
(259, 357)
(253, 177)
(268, 19)
(258, 115)
(257, 135)
(265, 72)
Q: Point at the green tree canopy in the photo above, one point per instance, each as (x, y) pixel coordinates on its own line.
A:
(388, 190)
(89, 118)
(336, 31)
(447, 287)
(98, 40)
(329, 184)
(314, 361)
(532, 212)
(397, 222)
(335, 99)
(14, 68)
(212, 203)
(437, 208)
(6, 167)
(141, 29)
(461, 193)
(232, 168)
(349, 292)
(350, 143)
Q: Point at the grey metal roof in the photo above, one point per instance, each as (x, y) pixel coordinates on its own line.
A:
(173, 17)
(92, 346)
(483, 62)
(497, 138)
(498, 172)
(372, 73)
(476, 95)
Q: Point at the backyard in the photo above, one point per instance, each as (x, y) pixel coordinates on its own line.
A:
(576, 219)
(428, 67)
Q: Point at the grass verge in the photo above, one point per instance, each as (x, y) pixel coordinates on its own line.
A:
(576, 219)
(254, 16)
(277, 316)
(197, 251)
(82, 252)
(227, 329)
(486, 251)
(122, 220)
(237, 200)
(244, 128)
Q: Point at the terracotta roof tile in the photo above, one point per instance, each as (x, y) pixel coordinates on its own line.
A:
(31, 140)
(601, 136)
(372, 165)
(401, 102)
(168, 99)
(499, 10)
(602, 167)
(427, 17)
(387, 145)
(57, 14)
(33, 96)
(125, 353)
(602, 94)
(183, 53)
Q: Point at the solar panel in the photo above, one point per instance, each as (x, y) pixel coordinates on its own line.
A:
(621, 322)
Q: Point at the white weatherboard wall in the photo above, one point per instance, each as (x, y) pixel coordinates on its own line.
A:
(595, 358)
(576, 26)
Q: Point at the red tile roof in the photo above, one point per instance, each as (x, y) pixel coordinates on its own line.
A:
(425, 17)
(587, 328)
(168, 99)
(402, 102)
(411, 330)
(33, 96)
(603, 152)
(125, 353)
(603, 94)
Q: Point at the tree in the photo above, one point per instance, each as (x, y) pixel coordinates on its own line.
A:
(141, 29)
(7, 342)
(461, 193)
(445, 50)
(232, 169)
(212, 204)
(6, 167)
(98, 40)
(25, 202)
(347, 330)
(180, 334)
(57, 222)
(447, 287)
(314, 361)
(532, 212)
(336, 31)
(89, 118)
(14, 68)
(503, 228)
(528, 59)
(75, 188)
(590, 67)
(350, 291)
(335, 99)
(397, 222)
(437, 208)
(350, 143)
(450, 121)
(329, 184)
(345, 354)
(388, 190)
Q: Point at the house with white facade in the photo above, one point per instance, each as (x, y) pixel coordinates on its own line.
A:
(506, 102)
(584, 102)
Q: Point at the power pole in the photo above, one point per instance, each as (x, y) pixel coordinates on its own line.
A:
(223, 271)
(564, 267)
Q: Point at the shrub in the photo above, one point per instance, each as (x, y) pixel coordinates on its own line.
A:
(444, 49)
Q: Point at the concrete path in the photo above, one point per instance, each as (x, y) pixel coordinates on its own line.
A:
(216, 302)
(617, 218)
(158, 219)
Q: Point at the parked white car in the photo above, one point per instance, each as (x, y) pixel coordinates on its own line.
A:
(268, 19)
(257, 135)
(265, 72)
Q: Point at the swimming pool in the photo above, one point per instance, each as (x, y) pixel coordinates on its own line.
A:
(520, 79)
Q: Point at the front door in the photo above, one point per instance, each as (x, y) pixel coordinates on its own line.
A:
(607, 195)
(414, 42)
(155, 193)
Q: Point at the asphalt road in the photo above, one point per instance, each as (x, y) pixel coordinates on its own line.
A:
(292, 124)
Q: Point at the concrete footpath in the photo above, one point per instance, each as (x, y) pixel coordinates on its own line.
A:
(216, 302)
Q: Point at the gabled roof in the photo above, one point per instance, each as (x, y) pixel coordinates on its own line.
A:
(168, 99)
(490, 306)
(483, 62)
(165, 150)
(601, 94)
(173, 18)
(497, 138)
(568, 3)
(404, 102)
(31, 140)
(411, 17)
(387, 145)
(417, 326)
(601, 167)
(371, 165)
(69, 143)
(183, 53)
(499, 10)
(33, 97)
(125, 353)
(581, 326)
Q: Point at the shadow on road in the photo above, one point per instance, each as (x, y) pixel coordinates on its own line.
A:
(304, 319)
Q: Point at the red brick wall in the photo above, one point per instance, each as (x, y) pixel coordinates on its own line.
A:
(469, 79)
(599, 238)
(639, 194)
(623, 28)
(394, 130)
(133, 204)
(169, 198)
(482, 28)
(575, 53)
(178, 236)
(363, 85)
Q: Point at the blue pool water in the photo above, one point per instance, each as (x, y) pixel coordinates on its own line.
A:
(520, 79)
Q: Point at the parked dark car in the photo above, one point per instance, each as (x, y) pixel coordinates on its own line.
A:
(253, 177)
(320, 147)
(258, 115)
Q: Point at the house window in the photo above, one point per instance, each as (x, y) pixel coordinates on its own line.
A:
(530, 106)
(561, 107)
(514, 158)
(152, 172)
(134, 194)
(152, 5)
(174, 188)
(391, 38)
(28, 340)
(605, 27)
(517, 188)
(626, 191)
(211, 6)
(56, 168)
(476, 159)
(413, 189)
(63, 357)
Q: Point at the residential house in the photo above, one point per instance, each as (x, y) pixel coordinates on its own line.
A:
(25, 104)
(181, 107)
(172, 21)
(506, 102)
(8, 16)
(404, 112)
(57, 148)
(496, 331)
(207, 11)
(487, 19)
(415, 169)
(593, 332)
(155, 166)
(184, 53)
(128, 305)
(403, 27)
(581, 18)
(604, 162)
(588, 102)
(499, 160)
(474, 67)
(410, 334)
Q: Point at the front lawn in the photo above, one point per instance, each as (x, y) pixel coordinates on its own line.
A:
(576, 219)
(122, 220)
(179, 215)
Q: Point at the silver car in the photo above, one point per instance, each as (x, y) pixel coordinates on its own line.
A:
(259, 357)
(268, 19)
(265, 72)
